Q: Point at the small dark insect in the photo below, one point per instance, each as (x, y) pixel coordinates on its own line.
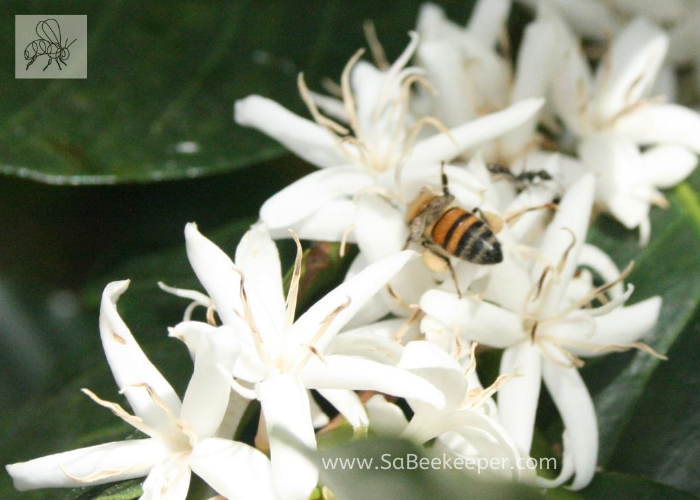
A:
(522, 180)
(48, 44)
(447, 230)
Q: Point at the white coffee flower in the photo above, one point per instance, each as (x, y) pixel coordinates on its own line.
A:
(282, 358)
(383, 138)
(181, 435)
(473, 79)
(466, 427)
(611, 117)
(546, 324)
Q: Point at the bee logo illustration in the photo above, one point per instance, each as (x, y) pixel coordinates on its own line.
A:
(48, 44)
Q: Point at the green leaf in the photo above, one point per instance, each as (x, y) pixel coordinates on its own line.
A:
(623, 487)
(619, 380)
(162, 73)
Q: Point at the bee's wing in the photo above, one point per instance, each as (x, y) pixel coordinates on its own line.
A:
(50, 31)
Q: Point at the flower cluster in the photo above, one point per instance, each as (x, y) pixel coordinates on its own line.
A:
(467, 177)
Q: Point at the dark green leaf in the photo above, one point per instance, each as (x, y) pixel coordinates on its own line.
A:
(625, 487)
(665, 267)
(162, 73)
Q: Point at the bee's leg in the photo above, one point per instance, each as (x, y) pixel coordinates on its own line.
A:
(435, 260)
(31, 62)
(444, 181)
(49, 64)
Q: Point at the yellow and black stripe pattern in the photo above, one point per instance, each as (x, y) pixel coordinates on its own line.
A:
(466, 236)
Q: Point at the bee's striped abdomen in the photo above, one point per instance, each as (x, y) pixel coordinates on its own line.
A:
(464, 235)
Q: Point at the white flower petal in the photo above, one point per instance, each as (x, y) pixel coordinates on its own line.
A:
(386, 419)
(517, 400)
(285, 405)
(437, 367)
(478, 321)
(620, 327)
(235, 470)
(565, 237)
(169, 480)
(595, 258)
(358, 290)
(258, 258)
(303, 137)
(118, 461)
(373, 310)
(441, 147)
(207, 395)
(576, 409)
(331, 222)
(130, 366)
(318, 416)
(349, 405)
(367, 82)
(592, 18)
(536, 61)
(666, 166)
(571, 88)
(488, 20)
(630, 68)
(215, 271)
(444, 66)
(380, 229)
(310, 193)
(346, 372)
(661, 124)
(375, 341)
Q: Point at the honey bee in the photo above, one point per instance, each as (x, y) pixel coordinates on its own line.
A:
(448, 230)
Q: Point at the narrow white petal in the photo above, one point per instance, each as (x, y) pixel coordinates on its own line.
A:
(437, 367)
(215, 271)
(318, 416)
(386, 419)
(349, 405)
(661, 124)
(376, 341)
(517, 400)
(358, 290)
(258, 258)
(130, 366)
(346, 372)
(380, 229)
(207, 395)
(474, 320)
(576, 409)
(444, 66)
(621, 327)
(310, 193)
(488, 19)
(533, 75)
(373, 310)
(285, 405)
(367, 82)
(331, 222)
(95, 465)
(595, 258)
(565, 237)
(592, 18)
(169, 480)
(235, 470)
(303, 137)
(571, 88)
(630, 68)
(441, 147)
(666, 166)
